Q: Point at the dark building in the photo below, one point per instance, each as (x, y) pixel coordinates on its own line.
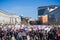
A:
(46, 9)
(54, 16)
(53, 12)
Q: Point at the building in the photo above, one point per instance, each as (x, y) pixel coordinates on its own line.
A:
(54, 16)
(52, 12)
(43, 19)
(43, 10)
(24, 20)
(6, 18)
(32, 21)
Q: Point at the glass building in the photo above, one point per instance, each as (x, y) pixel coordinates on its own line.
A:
(46, 9)
(53, 12)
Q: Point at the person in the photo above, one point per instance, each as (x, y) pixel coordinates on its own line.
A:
(8, 35)
(31, 33)
(13, 38)
(17, 37)
(28, 37)
(58, 36)
(15, 34)
(24, 35)
(41, 35)
(45, 35)
(20, 35)
(0, 33)
(50, 35)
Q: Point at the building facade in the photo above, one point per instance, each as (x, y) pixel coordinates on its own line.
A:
(52, 12)
(54, 16)
(6, 18)
(46, 9)
(43, 19)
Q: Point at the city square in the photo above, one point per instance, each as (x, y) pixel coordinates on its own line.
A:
(29, 20)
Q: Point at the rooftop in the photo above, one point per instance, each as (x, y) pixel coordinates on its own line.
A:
(49, 6)
(2, 11)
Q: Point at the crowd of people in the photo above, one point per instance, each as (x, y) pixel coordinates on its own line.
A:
(21, 34)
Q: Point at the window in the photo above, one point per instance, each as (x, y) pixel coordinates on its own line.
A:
(41, 12)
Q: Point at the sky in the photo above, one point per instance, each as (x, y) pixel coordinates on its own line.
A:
(26, 8)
